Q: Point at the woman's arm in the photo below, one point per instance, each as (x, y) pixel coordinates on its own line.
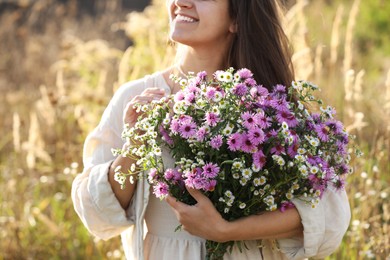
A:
(203, 220)
(125, 195)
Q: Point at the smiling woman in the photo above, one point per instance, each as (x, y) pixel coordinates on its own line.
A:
(214, 35)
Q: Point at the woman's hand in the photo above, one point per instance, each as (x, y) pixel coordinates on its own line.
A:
(201, 219)
(147, 96)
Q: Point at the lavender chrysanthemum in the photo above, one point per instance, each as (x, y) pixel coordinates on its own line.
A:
(216, 142)
(234, 142)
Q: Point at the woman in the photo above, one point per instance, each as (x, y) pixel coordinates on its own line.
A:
(214, 34)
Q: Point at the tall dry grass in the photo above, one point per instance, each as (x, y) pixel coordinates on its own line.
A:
(45, 128)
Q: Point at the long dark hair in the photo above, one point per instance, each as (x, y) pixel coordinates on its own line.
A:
(260, 43)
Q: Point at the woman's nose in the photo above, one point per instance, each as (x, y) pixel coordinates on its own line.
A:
(184, 3)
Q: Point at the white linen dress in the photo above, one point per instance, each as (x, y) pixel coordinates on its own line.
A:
(147, 226)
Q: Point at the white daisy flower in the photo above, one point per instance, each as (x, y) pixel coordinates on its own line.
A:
(243, 181)
(242, 205)
(246, 173)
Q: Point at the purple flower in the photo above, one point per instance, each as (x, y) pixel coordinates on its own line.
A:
(292, 150)
(212, 118)
(187, 129)
(343, 169)
(259, 90)
(210, 92)
(339, 184)
(259, 159)
(262, 120)
(245, 73)
(249, 120)
(277, 149)
(240, 89)
(161, 190)
(190, 98)
(175, 126)
(251, 82)
(179, 96)
(165, 136)
(201, 134)
(317, 183)
(279, 103)
(247, 145)
(152, 175)
(234, 141)
(256, 135)
(216, 142)
(322, 132)
(341, 148)
(210, 170)
(210, 185)
(202, 75)
(279, 91)
(193, 89)
(169, 174)
(285, 115)
(316, 117)
(335, 126)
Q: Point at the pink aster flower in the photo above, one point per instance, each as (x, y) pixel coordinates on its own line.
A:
(165, 136)
(179, 96)
(169, 174)
(285, 115)
(322, 132)
(259, 159)
(256, 135)
(175, 126)
(240, 89)
(210, 170)
(201, 134)
(277, 149)
(216, 142)
(244, 73)
(187, 129)
(161, 189)
(335, 126)
(250, 82)
(234, 141)
(210, 185)
(193, 88)
(190, 98)
(247, 145)
(279, 103)
(249, 120)
(339, 184)
(262, 120)
(212, 118)
(210, 92)
(279, 90)
(201, 75)
(258, 91)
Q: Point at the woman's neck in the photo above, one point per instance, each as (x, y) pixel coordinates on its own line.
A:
(202, 60)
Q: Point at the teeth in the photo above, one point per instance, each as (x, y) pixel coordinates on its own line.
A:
(184, 18)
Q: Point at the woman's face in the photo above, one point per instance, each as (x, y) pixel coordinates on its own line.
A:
(200, 22)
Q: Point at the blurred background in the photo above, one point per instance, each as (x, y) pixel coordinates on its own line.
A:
(61, 61)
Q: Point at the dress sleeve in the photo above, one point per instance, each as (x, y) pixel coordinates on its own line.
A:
(324, 227)
(93, 199)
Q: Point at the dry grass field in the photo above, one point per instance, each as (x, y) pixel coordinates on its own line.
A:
(58, 72)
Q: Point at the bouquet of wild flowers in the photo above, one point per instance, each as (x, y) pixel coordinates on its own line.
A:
(247, 148)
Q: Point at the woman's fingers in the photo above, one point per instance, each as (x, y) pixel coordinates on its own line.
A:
(147, 96)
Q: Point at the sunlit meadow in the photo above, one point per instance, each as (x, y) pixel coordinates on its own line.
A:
(45, 120)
